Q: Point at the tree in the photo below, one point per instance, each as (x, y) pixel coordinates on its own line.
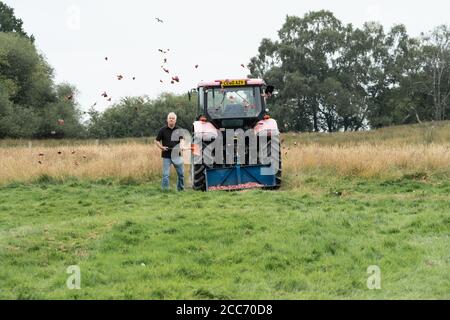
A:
(9, 23)
(140, 116)
(437, 69)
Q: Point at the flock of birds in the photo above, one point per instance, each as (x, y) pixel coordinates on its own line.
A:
(173, 78)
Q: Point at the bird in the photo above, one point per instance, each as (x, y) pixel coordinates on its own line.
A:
(40, 162)
(109, 99)
(166, 70)
(161, 81)
(104, 95)
(69, 97)
(134, 78)
(176, 79)
(41, 154)
(242, 65)
(106, 58)
(165, 60)
(59, 152)
(73, 152)
(172, 82)
(159, 20)
(196, 66)
(119, 77)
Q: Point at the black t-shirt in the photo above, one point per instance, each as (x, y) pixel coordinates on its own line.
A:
(165, 137)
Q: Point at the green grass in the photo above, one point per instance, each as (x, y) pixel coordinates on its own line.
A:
(133, 241)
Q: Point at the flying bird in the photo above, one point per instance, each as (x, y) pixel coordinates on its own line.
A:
(161, 81)
(109, 99)
(119, 77)
(196, 66)
(242, 65)
(176, 79)
(159, 20)
(134, 78)
(104, 95)
(69, 97)
(166, 70)
(106, 58)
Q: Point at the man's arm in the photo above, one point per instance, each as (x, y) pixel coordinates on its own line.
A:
(160, 146)
(158, 140)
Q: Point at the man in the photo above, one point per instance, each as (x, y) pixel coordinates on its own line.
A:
(166, 145)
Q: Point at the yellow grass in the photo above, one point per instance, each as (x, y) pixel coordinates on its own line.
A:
(368, 161)
(414, 150)
(142, 161)
(90, 161)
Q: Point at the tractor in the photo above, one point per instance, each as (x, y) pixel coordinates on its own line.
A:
(235, 142)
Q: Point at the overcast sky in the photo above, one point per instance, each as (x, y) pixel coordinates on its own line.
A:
(219, 36)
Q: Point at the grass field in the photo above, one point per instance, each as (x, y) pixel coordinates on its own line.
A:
(341, 209)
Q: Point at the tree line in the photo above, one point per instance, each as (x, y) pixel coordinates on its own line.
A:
(331, 76)
(328, 77)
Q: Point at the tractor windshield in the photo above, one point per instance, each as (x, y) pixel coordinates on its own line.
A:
(233, 102)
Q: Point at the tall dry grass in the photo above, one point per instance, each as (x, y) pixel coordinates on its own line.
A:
(143, 163)
(368, 161)
(418, 150)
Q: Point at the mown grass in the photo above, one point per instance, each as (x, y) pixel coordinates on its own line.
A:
(348, 201)
(132, 241)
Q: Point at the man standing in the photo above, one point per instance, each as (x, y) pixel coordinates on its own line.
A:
(166, 144)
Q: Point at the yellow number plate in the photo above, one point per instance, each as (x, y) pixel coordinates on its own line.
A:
(232, 83)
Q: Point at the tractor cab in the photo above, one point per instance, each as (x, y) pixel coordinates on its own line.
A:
(233, 103)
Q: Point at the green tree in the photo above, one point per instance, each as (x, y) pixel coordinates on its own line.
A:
(436, 51)
(140, 116)
(9, 22)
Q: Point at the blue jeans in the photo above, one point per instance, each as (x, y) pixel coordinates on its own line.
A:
(178, 164)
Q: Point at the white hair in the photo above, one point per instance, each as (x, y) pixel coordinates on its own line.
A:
(172, 114)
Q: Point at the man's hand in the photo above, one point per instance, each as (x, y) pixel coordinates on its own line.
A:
(160, 146)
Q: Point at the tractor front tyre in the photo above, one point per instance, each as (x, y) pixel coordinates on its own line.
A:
(199, 183)
(268, 152)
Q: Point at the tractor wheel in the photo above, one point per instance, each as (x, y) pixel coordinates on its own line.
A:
(278, 177)
(199, 170)
(199, 177)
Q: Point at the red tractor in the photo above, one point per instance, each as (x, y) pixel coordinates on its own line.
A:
(236, 144)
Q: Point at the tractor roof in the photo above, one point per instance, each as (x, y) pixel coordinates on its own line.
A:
(231, 82)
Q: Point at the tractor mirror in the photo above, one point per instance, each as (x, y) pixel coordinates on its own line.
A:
(191, 92)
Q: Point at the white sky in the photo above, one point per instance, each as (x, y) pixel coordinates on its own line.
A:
(76, 36)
